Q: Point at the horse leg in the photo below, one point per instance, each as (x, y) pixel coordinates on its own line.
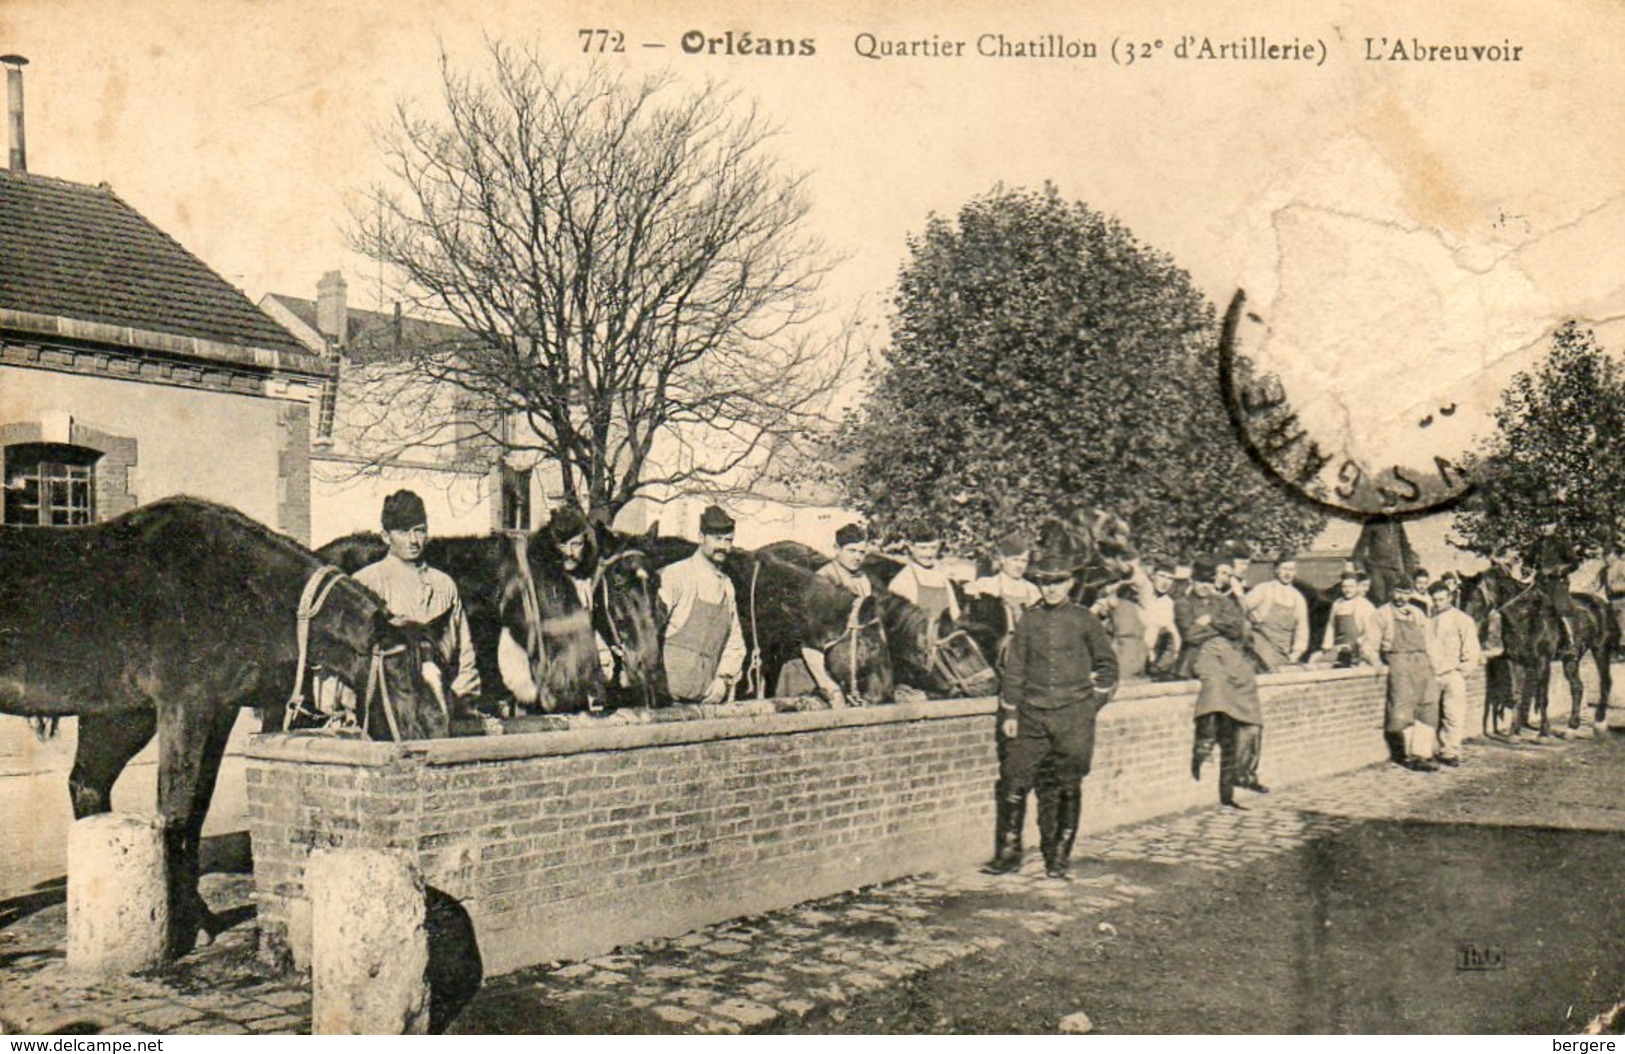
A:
(1544, 699)
(107, 742)
(1577, 691)
(192, 736)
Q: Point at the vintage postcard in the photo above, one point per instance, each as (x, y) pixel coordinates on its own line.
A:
(1202, 282)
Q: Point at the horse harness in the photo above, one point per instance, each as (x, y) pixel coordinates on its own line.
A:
(600, 587)
(339, 720)
(855, 625)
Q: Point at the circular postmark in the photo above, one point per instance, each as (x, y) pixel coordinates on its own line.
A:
(1329, 473)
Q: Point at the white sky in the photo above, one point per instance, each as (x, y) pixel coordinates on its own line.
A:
(1410, 231)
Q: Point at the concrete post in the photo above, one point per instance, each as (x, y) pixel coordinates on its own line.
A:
(118, 899)
(369, 949)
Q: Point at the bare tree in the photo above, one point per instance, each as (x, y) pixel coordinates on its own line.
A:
(630, 268)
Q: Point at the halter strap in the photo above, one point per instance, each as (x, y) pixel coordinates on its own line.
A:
(317, 589)
(600, 584)
(756, 678)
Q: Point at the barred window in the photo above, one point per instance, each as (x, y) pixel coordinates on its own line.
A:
(50, 485)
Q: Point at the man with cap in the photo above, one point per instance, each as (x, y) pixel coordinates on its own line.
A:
(1412, 714)
(1239, 558)
(1157, 613)
(1554, 562)
(923, 580)
(1228, 713)
(1353, 634)
(1060, 672)
(704, 644)
(1455, 654)
(1008, 583)
(1279, 616)
(569, 532)
(414, 591)
(846, 571)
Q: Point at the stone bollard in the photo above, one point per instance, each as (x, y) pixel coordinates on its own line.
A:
(118, 894)
(369, 951)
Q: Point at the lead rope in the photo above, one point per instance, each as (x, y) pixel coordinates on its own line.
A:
(755, 643)
(317, 588)
(601, 582)
(852, 634)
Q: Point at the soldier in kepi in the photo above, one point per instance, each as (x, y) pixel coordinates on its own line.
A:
(1061, 671)
(412, 590)
(704, 644)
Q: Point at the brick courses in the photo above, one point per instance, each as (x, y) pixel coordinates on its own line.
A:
(564, 845)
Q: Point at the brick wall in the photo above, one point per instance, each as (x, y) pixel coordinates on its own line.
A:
(565, 844)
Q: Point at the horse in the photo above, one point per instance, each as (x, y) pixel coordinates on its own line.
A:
(1531, 634)
(168, 620)
(516, 595)
(628, 613)
(942, 659)
(782, 606)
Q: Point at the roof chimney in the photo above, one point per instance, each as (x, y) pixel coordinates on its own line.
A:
(332, 316)
(14, 93)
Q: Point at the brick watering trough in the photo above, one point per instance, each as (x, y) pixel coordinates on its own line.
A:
(563, 844)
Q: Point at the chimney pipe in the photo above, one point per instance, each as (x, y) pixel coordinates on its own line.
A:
(14, 93)
(332, 311)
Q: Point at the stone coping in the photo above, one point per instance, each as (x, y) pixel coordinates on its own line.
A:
(549, 736)
(272, 359)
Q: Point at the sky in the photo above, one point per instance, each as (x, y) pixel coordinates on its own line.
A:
(1407, 232)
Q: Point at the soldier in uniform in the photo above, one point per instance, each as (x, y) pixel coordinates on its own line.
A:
(1412, 713)
(1060, 672)
(1228, 713)
(414, 591)
(704, 645)
(922, 580)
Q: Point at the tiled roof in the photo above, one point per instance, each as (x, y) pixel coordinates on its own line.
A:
(79, 252)
(372, 337)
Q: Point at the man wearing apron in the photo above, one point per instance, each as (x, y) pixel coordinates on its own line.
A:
(567, 528)
(1413, 692)
(1157, 614)
(1228, 714)
(1128, 630)
(704, 644)
(1279, 616)
(922, 581)
(1009, 584)
(1353, 633)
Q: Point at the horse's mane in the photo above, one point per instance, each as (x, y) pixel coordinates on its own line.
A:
(139, 517)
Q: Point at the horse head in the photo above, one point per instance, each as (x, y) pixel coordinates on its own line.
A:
(937, 655)
(628, 613)
(547, 652)
(344, 631)
(859, 659)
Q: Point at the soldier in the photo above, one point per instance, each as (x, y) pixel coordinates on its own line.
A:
(568, 531)
(1009, 584)
(1412, 715)
(1279, 616)
(414, 591)
(1353, 634)
(846, 570)
(811, 671)
(704, 644)
(922, 580)
(1061, 671)
(1228, 713)
(1161, 635)
(1455, 653)
(1554, 562)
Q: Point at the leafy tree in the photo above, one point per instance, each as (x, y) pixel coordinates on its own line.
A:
(1553, 462)
(1043, 360)
(628, 269)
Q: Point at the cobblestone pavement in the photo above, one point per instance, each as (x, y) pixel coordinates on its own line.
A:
(770, 971)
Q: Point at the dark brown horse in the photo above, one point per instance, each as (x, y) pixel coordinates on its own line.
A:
(1530, 634)
(942, 659)
(526, 596)
(782, 606)
(169, 620)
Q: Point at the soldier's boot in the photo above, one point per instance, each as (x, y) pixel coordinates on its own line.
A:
(1396, 747)
(1047, 794)
(1068, 807)
(1010, 815)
